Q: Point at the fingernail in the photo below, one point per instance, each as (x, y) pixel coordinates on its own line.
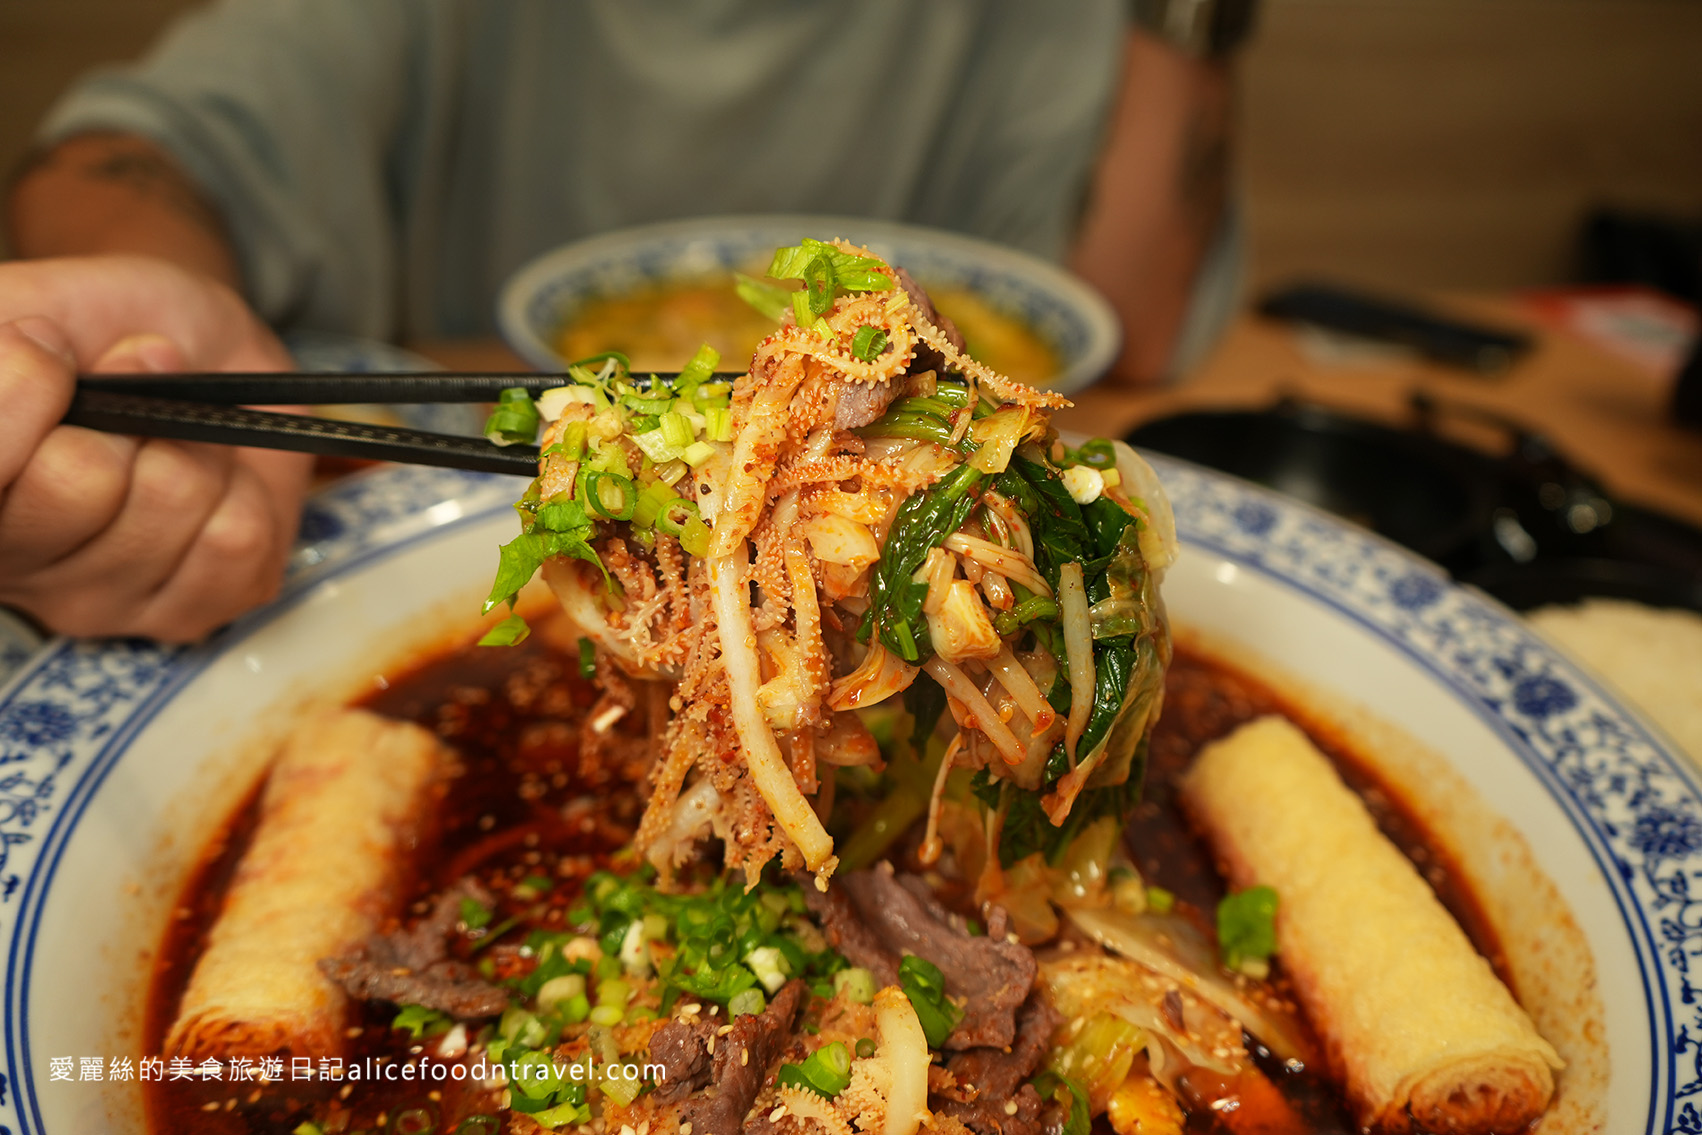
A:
(141, 354)
(47, 335)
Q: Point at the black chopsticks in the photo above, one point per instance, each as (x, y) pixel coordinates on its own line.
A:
(212, 408)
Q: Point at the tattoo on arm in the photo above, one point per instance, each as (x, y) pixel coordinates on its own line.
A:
(132, 163)
(1204, 172)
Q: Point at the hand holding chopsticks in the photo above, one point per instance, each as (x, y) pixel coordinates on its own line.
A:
(211, 408)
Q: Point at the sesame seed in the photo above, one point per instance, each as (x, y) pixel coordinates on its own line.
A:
(777, 1114)
(710, 1045)
(685, 1128)
(723, 1030)
(1010, 1107)
(744, 1056)
(626, 1129)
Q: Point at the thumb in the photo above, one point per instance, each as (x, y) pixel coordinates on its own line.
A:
(147, 353)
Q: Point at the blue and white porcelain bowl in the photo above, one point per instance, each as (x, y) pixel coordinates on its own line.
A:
(1066, 313)
(1580, 828)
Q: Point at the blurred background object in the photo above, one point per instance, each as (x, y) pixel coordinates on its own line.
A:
(1476, 139)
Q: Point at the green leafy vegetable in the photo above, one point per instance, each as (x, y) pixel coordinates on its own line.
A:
(851, 272)
(826, 1071)
(474, 914)
(1050, 1085)
(587, 659)
(925, 986)
(768, 299)
(923, 523)
(509, 632)
(1246, 925)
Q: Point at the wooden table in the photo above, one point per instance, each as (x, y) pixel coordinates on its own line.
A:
(1607, 416)
(1604, 414)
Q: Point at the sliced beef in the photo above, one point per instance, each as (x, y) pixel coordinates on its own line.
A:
(681, 1047)
(861, 403)
(412, 966)
(741, 1061)
(996, 1073)
(987, 1116)
(926, 358)
(988, 975)
(987, 1080)
(848, 933)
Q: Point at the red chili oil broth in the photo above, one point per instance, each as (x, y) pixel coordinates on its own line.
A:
(513, 716)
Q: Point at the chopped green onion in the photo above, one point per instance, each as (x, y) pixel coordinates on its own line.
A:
(856, 984)
(510, 632)
(801, 308)
(675, 515)
(925, 986)
(421, 1021)
(515, 419)
(694, 537)
(607, 1015)
(651, 502)
(865, 1048)
(1095, 454)
(819, 284)
(560, 990)
(611, 496)
(413, 1121)
(669, 473)
(698, 370)
(697, 453)
(1246, 926)
(587, 659)
(474, 914)
(868, 342)
(522, 1028)
(576, 1008)
(478, 1125)
(619, 1088)
(719, 424)
(571, 443)
(749, 1001)
(676, 429)
(826, 1071)
(613, 992)
(656, 446)
(595, 362)
(307, 1128)
(769, 965)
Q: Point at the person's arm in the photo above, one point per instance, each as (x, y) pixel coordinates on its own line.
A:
(116, 193)
(1157, 199)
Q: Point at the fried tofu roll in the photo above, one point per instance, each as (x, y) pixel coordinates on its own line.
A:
(1422, 1031)
(342, 809)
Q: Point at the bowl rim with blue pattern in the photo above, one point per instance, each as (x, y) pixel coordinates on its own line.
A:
(1065, 311)
(102, 743)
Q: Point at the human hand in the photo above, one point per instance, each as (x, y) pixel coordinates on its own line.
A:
(109, 535)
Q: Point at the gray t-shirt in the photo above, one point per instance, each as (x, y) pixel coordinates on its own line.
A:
(384, 165)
